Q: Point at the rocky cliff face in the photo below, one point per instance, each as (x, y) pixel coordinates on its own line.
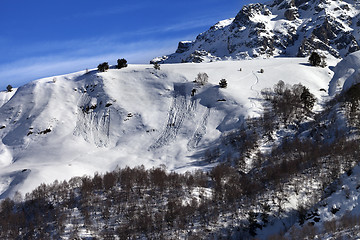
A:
(281, 28)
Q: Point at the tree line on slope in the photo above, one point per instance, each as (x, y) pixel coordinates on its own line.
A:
(224, 202)
(154, 203)
(121, 63)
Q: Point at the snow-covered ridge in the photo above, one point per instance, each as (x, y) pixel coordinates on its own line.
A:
(222, 24)
(347, 74)
(6, 95)
(279, 28)
(80, 123)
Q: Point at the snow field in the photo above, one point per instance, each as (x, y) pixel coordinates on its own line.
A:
(88, 122)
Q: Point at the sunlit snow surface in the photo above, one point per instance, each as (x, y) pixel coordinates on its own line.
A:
(347, 74)
(81, 123)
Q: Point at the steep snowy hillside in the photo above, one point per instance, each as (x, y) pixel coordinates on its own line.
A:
(347, 74)
(80, 123)
(5, 96)
(337, 215)
(279, 28)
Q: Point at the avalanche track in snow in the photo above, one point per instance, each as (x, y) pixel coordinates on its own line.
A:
(200, 131)
(181, 108)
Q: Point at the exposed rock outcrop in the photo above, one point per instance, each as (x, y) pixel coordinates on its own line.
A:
(283, 28)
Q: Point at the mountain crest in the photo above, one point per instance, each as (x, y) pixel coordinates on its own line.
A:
(282, 28)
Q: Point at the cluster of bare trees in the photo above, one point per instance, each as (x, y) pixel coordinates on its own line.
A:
(325, 161)
(154, 203)
(290, 104)
(127, 203)
(306, 155)
(242, 141)
(352, 103)
(346, 227)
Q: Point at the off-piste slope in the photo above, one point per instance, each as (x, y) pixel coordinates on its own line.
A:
(347, 74)
(81, 123)
(6, 95)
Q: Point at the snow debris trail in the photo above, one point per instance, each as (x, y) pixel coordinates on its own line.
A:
(5, 155)
(93, 122)
(14, 179)
(179, 109)
(199, 132)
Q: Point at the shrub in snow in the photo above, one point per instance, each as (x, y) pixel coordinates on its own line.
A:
(121, 63)
(156, 66)
(267, 93)
(202, 78)
(45, 131)
(223, 83)
(193, 92)
(9, 88)
(103, 67)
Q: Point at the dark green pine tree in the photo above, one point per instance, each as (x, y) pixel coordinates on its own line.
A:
(223, 83)
(121, 63)
(308, 100)
(315, 59)
(9, 88)
(103, 67)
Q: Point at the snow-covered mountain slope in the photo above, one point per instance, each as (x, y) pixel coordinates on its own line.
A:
(278, 28)
(5, 96)
(347, 74)
(80, 123)
(337, 215)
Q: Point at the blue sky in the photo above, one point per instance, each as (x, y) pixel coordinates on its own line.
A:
(43, 38)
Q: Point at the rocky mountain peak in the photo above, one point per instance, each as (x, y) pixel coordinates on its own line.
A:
(249, 12)
(280, 28)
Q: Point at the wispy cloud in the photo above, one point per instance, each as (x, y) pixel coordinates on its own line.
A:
(88, 47)
(114, 42)
(187, 25)
(194, 23)
(59, 57)
(22, 71)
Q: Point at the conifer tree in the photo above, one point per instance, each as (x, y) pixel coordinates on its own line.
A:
(103, 67)
(9, 88)
(316, 60)
(223, 83)
(156, 66)
(121, 63)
